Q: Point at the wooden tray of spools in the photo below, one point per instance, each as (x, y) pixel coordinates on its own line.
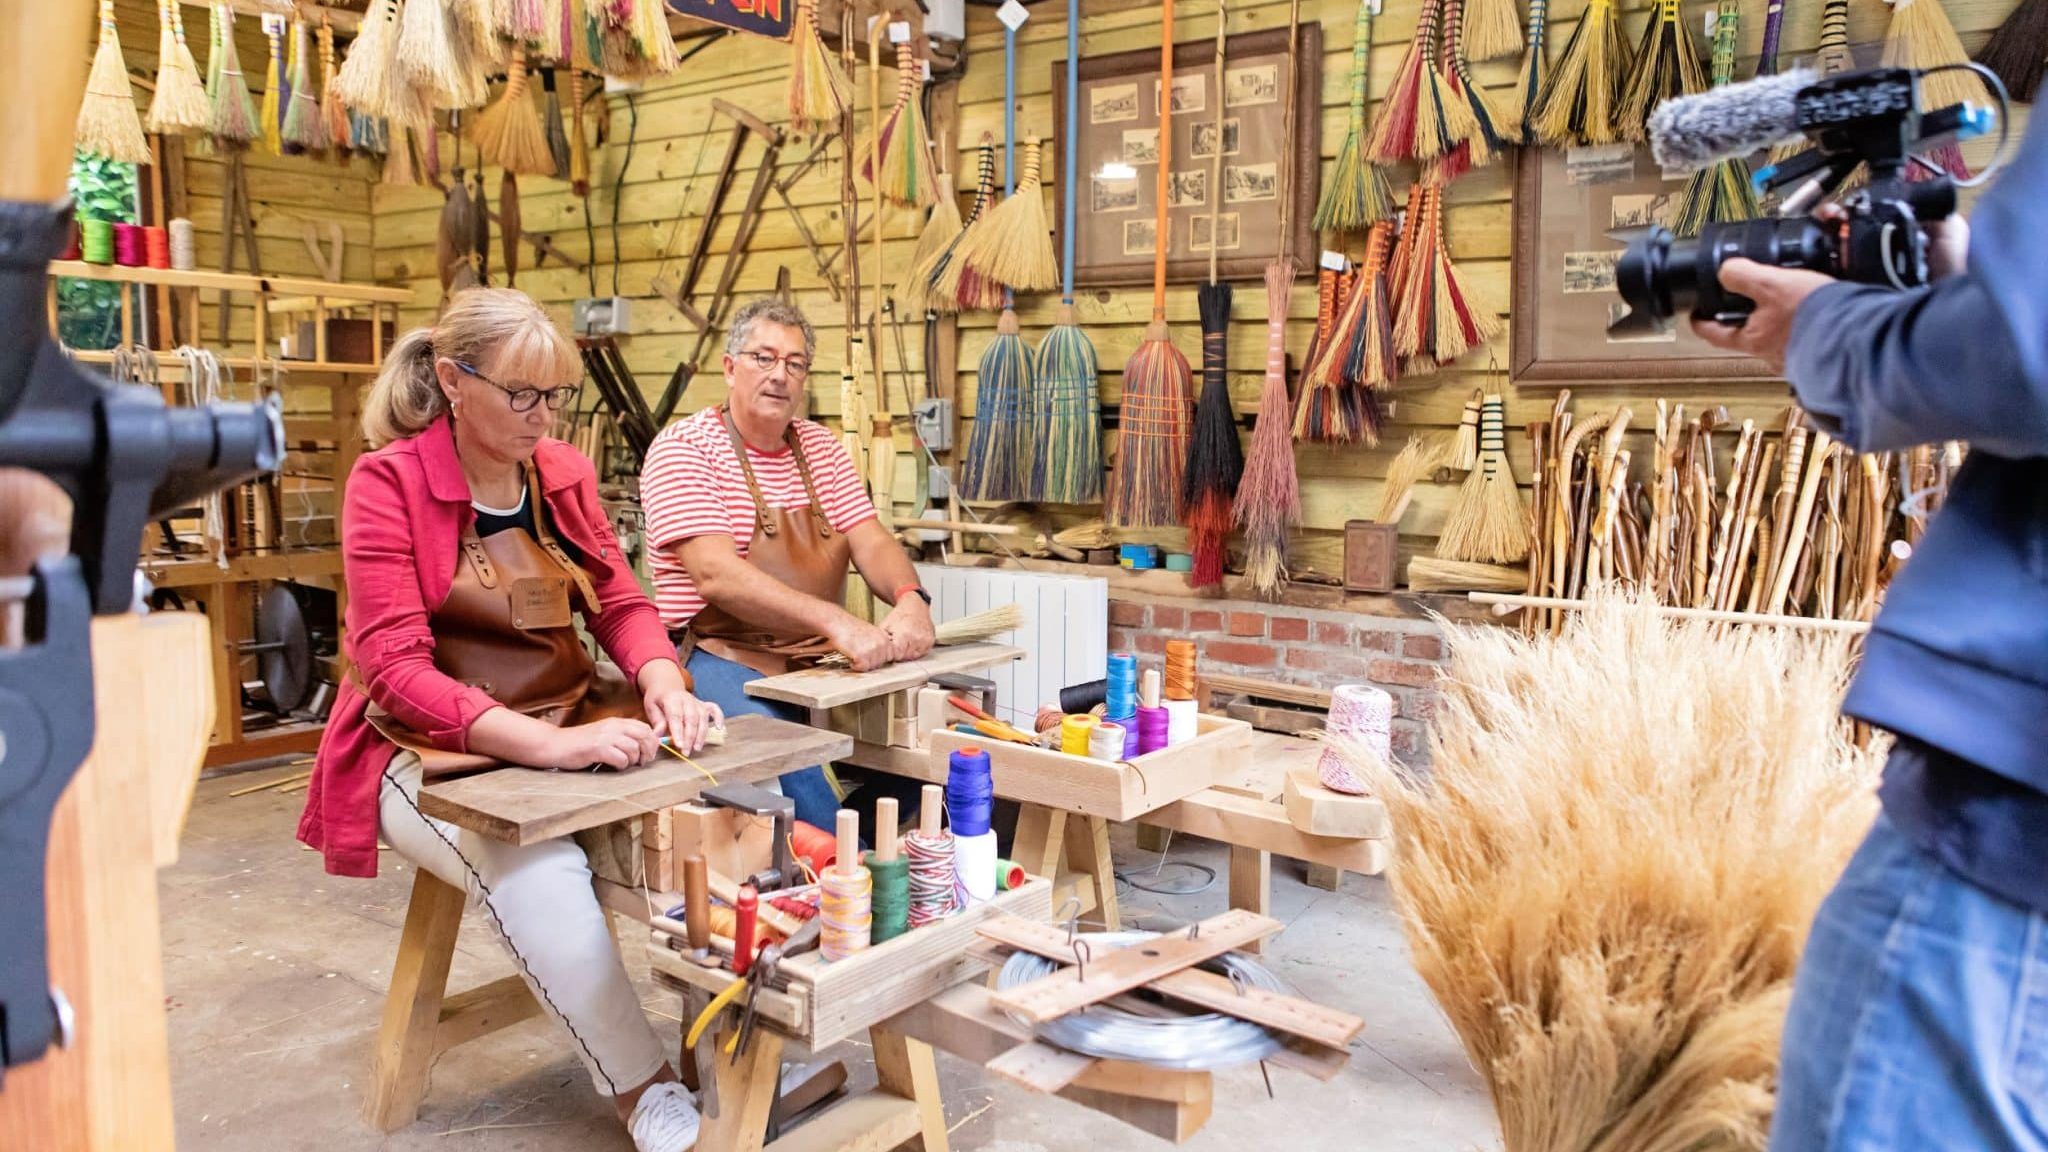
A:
(816, 1003)
(1116, 789)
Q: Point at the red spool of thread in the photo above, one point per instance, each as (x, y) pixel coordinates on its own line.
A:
(156, 246)
(73, 247)
(812, 843)
(129, 250)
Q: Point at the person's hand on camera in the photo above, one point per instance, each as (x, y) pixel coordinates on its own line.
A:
(611, 743)
(1948, 241)
(866, 646)
(1778, 293)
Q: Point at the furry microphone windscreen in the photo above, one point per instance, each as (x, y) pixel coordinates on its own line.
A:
(1695, 131)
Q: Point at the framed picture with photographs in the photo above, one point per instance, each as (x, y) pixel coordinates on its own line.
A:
(1569, 203)
(1225, 182)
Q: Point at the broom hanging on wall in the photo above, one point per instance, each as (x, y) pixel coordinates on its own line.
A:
(1488, 525)
(1920, 36)
(1067, 425)
(906, 143)
(1488, 137)
(180, 102)
(108, 125)
(1722, 191)
(941, 229)
(999, 454)
(1215, 458)
(1013, 249)
(942, 277)
(2018, 50)
(1667, 65)
(1357, 193)
(305, 129)
(234, 111)
(333, 113)
(1493, 29)
(508, 133)
(368, 78)
(1581, 103)
(1338, 405)
(817, 88)
(1419, 120)
(1529, 82)
(270, 114)
(1774, 30)
(1435, 319)
(1144, 486)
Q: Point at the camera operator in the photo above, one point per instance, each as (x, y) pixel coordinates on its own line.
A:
(1920, 1014)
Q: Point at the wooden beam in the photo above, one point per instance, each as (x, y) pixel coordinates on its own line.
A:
(832, 687)
(1263, 824)
(1123, 969)
(1321, 811)
(482, 1010)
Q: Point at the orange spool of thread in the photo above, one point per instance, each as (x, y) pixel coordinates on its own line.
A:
(1180, 669)
(812, 843)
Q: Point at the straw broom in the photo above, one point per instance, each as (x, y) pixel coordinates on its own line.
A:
(1067, 425)
(333, 113)
(1269, 496)
(1337, 402)
(941, 229)
(180, 102)
(1357, 193)
(1921, 36)
(305, 129)
(966, 630)
(369, 72)
(1722, 191)
(234, 111)
(817, 87)
(270, 113)
(906, 172)
(1488, 525)
(1529, 81)
(509, 132)
(2018, 50)
(1493, 29)
(1581, 103)
(1014, 247)
(1215, 458)
(1435, 320)
(1490, 134)
(996, 452)
(1143, 487)
(1419, 459)
(431, 59)
(551, 121)
(1419, 120)
(1667, 65)
(943, 277)
(1625, 986)
(108, 125)
(1327, 281)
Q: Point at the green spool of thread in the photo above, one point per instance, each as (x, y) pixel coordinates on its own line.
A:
(1009, 875)
(96, 241)
(890, 905)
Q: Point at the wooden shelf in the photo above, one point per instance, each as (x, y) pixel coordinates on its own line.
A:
(232, 282)
(298, 563)
(284, 739)
(174, 368)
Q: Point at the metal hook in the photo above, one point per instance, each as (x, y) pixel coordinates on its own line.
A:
(1082, 954)
(1238, 982)
(1070, 911)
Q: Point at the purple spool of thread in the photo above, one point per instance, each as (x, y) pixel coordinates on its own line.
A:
(129, 250)
(1151, 729)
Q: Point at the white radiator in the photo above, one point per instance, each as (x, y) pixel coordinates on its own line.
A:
(1065, 635)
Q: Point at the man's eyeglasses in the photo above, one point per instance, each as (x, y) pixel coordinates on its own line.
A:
(524, 399)
(797, 365)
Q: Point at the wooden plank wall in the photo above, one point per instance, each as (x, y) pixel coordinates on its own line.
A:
(673, 133)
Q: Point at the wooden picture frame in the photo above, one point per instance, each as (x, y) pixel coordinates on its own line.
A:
(1566, 202)
(1116, 93)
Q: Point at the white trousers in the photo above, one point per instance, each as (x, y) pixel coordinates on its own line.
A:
(540, 901)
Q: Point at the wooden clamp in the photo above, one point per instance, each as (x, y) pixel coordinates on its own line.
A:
(1095, 979)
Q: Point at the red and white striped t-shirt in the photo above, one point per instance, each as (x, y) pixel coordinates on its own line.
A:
(691, 485)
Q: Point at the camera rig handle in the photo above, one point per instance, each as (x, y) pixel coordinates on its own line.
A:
(123, 458)
(1871, 117)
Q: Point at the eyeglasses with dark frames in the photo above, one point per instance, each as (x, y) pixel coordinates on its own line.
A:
(798, 365)
(524, 399)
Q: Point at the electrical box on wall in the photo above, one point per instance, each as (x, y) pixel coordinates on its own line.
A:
(946, 19)
(602, 316)
(935, 424)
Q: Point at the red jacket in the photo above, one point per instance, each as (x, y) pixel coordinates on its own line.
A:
(407, 504)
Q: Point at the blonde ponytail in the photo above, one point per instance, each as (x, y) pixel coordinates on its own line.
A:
(479, 327)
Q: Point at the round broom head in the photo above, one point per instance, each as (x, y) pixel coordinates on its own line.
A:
(1492, 29)
(941, 229)
(1152, 448)
(108, 124)
(998, 452)
(2018, 51)
(1068, 467)
(1920, 36)
(1269, 496)
(1581, 104)
(509, 132)
(1667, 65)
(180, 103)
(817, 88)
(1015, 246)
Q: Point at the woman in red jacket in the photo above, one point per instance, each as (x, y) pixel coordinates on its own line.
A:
(470, 542)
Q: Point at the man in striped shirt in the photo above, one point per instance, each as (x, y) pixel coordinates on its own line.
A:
(752, 517)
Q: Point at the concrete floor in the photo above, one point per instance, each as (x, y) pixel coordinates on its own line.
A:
(276, 973)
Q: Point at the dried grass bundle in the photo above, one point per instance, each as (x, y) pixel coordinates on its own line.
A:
(437, 57)
(948, 271)
(1672, 799)
(509, 132)
(941, 230)
(1921, 36)
(108, 125)
(1419, 459)
(1489, 524)
(369, 71)
(180, 102)
(304, 128)
(1667, 65)
(1357, 193)
(817, 88)
(905, 143)
(1420, 119)
(1435, 574)
(1493, 29)
(1529, 81)
(1014, 246)
(1582, 101)
(2018, 51)
(1491, 130)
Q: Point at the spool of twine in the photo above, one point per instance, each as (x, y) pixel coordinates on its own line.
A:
(1107, 741)
(156, 247)
(72, 249)
(1084, 697)
(184, 245)
(129, 251)
(1180, 669)
(1009, 875)
(1362, 713)
(1152, 729)
(1075, 734)
(931, 877)
(1180, 722)
(812, 843)
(1048, 719)
(1120, 689)
(96, 241)
(846, 906)
(890, 897)
(970, 792)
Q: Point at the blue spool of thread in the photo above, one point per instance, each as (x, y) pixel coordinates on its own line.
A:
(1121, 697)
(970, 792)
(1138, 557)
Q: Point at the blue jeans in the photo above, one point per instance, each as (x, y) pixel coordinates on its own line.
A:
(722, 682)
(1919, 1016)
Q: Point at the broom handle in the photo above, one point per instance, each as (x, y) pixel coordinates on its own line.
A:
(1009, 125)
(1216, 163)
(1071, 149)
(1291, 82)
(1159, 232)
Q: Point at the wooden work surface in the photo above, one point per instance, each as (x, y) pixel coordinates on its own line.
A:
(528, 805)
(832, 687)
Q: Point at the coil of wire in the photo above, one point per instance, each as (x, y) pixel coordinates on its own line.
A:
(1195, 1042)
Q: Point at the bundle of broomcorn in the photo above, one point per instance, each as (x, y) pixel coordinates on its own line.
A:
(966, 630)
(1622, 985)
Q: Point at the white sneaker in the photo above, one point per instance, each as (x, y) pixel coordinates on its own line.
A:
(664, 1120)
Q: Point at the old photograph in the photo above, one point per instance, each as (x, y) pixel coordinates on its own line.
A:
(1141, 237)
(1202, 142)
(1226, 230)
(1109, 103)
(1589, 271)
(1188, 94)
(1114, 193)
(1141, 146)
(1629, 211)
(1600, 163)
(1257, 84)
(1250, 182)
(1187, 189)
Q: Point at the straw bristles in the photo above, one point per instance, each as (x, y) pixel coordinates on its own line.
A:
(966, 630)
(941, 229)
(1435, 574)
(1488, 525)
(180, 102)
(108, 124)
(999, 452)
(1152, 445)
(1068, 419)
(551, 122)
(1419, 459)
(509, 132)
(367, 78)
(1920, 36)
(1353, 360)
(1420, 119)
(1356, 194)
(1269, 496)
(1490, 133)
(1667, 65)
(817, 88)
(304, 128)
(1013, 246)
(1215, 463)
(1435, 320)
(1493, 29)
(1581, 104)
(1529, 82)
(2018, 51)
(906, 144)
(333, 113)
(947, 274)
(1676, 797)
(437, 58)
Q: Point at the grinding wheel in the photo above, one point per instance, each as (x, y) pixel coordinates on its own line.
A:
(283, 649)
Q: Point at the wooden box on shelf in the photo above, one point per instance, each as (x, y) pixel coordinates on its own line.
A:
(1114, 789)
(1371, 553)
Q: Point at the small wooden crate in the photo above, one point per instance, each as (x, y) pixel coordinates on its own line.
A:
(1115, 789)
(823, 1003)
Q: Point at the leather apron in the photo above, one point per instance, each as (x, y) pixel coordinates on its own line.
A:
(797, 546)
(508, 627)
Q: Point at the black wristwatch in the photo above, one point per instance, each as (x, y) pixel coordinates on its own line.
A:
(914, 588)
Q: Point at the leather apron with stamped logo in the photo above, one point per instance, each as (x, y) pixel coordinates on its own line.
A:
(797, 546)
(508, 627)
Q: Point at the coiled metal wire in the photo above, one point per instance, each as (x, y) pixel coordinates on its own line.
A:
(1189, 1041)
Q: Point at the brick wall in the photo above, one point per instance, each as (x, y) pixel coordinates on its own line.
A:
(1313, 647)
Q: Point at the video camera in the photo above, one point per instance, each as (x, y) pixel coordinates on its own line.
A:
(1871, 118)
